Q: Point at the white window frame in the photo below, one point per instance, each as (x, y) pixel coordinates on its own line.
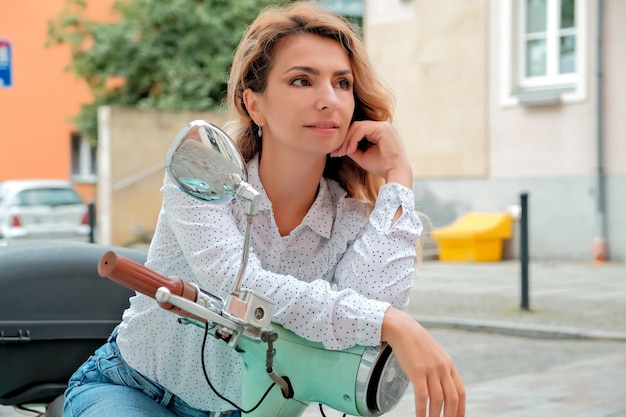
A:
(86, 160)
(515, 89)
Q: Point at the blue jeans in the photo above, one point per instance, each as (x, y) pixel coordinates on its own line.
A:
(106, 386)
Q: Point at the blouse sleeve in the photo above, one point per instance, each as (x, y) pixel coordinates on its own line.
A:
(380, 263)
(313, 310)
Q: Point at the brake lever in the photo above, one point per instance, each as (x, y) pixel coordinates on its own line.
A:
(229, 329)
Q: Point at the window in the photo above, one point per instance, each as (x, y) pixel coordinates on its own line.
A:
(48, 197)
(548, 42)
(544, 47)
(83, 159)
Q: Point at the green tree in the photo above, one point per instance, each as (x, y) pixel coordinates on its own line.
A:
(165, 54)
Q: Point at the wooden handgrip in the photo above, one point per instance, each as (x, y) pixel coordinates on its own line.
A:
(142, 279)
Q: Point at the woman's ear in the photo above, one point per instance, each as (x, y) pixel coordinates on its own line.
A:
(251, 101)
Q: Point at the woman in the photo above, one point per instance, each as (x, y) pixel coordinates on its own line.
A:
(336, 208)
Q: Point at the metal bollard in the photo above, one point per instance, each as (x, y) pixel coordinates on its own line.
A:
(92, 220)
(525, 302)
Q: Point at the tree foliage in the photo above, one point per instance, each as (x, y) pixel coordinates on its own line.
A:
(164, 54)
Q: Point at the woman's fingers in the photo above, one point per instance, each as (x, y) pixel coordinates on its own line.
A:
(372, 131)
(460, 389)
(420, 390)
(437, 388)
(441, 393)
(451, 396)
(435, 396)
(355, 134)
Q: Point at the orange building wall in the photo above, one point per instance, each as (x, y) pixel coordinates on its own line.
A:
(36, 111)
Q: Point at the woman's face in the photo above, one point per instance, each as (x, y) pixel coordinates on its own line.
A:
(308, 102)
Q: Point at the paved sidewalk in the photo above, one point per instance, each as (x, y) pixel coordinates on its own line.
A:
(574, 300)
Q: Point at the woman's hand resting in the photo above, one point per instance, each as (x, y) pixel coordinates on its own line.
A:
(436, 383)
(384, 156)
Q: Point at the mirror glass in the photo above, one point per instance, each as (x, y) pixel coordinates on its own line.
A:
(205, 163)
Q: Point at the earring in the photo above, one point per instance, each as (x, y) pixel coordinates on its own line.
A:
(260, 132)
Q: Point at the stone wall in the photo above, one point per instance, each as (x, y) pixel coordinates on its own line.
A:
(132, 146)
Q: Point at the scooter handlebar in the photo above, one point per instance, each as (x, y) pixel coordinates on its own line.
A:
(142, 279)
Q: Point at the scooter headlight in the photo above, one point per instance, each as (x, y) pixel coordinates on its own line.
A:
(380, 382)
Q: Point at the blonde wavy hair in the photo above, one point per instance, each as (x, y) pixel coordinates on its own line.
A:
(253, 61)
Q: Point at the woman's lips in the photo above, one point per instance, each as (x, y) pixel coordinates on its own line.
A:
(324, 127)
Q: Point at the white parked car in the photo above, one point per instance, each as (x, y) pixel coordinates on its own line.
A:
(35, 210)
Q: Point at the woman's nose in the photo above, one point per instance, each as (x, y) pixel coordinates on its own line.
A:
(327, 99)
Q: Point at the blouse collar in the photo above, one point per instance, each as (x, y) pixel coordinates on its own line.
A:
(320, 217)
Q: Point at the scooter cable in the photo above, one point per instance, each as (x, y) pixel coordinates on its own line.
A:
(206, 377)
(322, 411)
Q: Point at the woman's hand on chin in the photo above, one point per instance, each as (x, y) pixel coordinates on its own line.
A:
(377, 148)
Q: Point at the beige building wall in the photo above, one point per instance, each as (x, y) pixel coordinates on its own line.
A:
(615, 86)
(132, 146)
(433, 55)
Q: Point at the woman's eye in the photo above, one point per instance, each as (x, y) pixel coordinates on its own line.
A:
(300, 82)
(345, 84)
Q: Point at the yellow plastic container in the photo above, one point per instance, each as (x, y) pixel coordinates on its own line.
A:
(474, 237)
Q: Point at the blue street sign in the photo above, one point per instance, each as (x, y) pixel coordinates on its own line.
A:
(5, 64)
